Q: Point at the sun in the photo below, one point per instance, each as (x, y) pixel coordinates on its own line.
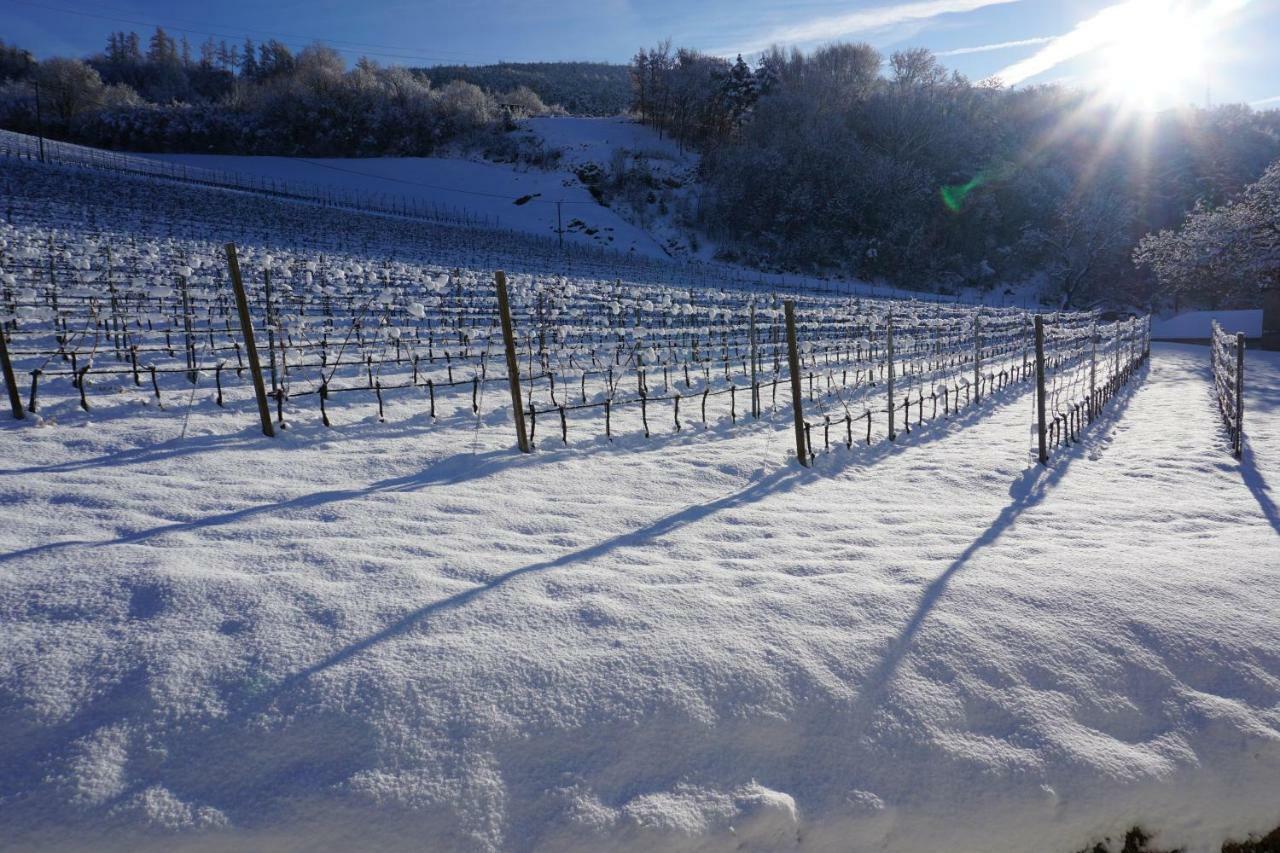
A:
(1155, 56)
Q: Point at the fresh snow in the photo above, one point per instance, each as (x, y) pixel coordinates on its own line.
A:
(481, 190)
(382, 637)
(472, 188)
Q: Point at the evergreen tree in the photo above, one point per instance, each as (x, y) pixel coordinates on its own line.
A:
(162, 50)
(249, 61)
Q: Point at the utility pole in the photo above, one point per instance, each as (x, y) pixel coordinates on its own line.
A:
(39, 120)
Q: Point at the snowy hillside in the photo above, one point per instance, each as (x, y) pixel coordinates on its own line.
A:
(660, 189)
(385, 628)
(480, 189)
(590, 149)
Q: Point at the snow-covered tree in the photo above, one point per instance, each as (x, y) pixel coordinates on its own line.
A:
(1222, 255)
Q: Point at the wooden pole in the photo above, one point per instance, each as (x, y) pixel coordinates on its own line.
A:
(1239, 448)
(39, 122)
(889, 352)
(271, 325)
(1040, 425)
(513, 366)
(15, 401)
(187, 330)
(793, 362)
(755, 391)
(977, 357)
(1093, 365)
(246, 329)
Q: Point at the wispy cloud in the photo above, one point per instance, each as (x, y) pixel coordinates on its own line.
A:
(861, 21)
(1274, 99)
(986, 48)
(1104, 29)
(1088, 36)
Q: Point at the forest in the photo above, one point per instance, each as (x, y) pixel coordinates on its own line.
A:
(250, 99)
(581, 88)
(899, 169)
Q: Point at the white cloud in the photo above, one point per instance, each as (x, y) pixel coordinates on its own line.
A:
(1103, 29)
(985, 48)
(1264, 101)
(861, 21)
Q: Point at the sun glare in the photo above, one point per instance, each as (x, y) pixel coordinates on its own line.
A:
(1155, 57)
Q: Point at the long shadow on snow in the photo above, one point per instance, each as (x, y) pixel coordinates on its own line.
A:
(251, 438)
(1260, 397)
(1027, 491)
(776, 482)
(452, 470)
(210, 744)
(464, 467)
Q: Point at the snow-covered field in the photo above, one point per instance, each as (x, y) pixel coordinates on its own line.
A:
(371, 637)
(399, 633)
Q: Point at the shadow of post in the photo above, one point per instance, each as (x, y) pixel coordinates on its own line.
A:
(1258, 487)
(1026, 492)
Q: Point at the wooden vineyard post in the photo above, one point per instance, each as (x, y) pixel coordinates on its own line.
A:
(1239, 442)
(246, 330)
(1040, 425)
(793, 361)
(889, 354)
(187, 330)
(513, 366)
(1118, 346)
(755, 390)
(1093, 366)
(15, 401)
(271, 333)
(977, 357)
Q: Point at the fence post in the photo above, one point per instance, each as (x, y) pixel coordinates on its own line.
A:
(755, 391)
(889, 356)
(15, 401)
(513, 366)
(1093, 365)
(1239, 448)
(187, 329)
(793, 361)
(977, 356)
(271, 324)
(1040, 425)
(246, 329)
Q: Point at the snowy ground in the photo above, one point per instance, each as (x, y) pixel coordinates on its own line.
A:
(380, 636)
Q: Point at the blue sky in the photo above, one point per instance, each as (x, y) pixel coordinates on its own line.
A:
(1235, 39)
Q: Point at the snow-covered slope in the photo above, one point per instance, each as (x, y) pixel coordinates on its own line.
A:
(481, 190)
(487, 192)
(659, 191)
(374, 638)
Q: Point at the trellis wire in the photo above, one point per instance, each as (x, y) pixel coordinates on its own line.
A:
(90, 307)
(1086, 363)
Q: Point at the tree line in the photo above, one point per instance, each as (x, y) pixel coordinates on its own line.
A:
(581, 88)
(898, 169)
(249, 99)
